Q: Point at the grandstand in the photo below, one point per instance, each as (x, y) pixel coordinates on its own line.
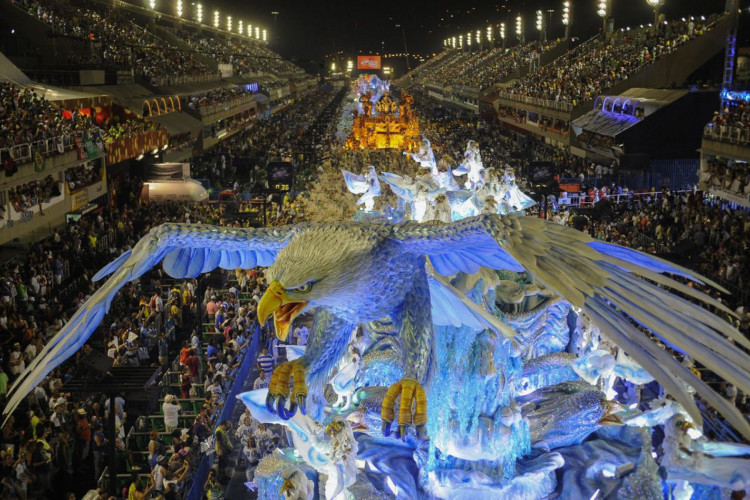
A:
(116, 85)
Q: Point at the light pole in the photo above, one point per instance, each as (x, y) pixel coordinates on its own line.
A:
(603, 12)
(489, 35)
(519, 29)
(275, 15)
(502, 33)
(406, 50)
(549, 22)
(656, 5)
(566, 18)
(540, 25)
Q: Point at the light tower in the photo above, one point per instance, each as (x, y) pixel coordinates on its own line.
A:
(603, 12)
(199, 13)
(519, 28)
(540, 25)
(502, 33)
(566, 18)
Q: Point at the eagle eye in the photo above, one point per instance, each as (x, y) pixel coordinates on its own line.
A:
(303, 288)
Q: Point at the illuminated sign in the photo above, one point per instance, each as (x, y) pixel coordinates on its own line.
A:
(368, 62)
(729, 95)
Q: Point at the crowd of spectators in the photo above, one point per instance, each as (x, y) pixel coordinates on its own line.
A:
(731, 125)
(728, 176)
(298, 133)
(33, 193)
(595, 66)
(215, 96)
(82, 176)
(483, 68)
(56, 437)
(27, 117)
(124, 44)
(246, 56)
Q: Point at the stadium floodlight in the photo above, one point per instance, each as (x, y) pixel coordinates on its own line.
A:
(502, 31)
(199, 13)
(656, 4)
(229, 24)
(478, 38)
(460, 41)
(257, 33)
(217, 19)
(539, 20)
(265, 35)
(469, 36)
(519, 27)
(152, 4)
(240, 29)
(179, 8)
(249, 30)
(489, 34)
(566, 13)
(603, 8)
(453, 42)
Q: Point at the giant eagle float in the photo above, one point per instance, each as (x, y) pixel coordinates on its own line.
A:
(352, 273)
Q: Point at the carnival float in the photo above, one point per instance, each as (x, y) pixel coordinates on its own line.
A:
(460, 349)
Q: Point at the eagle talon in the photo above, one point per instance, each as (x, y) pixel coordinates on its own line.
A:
(302, 402)
(386, 429)
(412, 408)
(280, 407)
(270, 402)
(279, 391)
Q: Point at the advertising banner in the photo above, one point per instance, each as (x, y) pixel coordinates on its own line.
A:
(368, 62)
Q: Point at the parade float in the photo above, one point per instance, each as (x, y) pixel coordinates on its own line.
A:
(462, 350)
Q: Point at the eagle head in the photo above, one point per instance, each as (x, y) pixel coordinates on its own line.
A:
(327, 266)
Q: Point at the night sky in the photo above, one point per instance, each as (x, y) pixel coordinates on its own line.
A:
(308, 30)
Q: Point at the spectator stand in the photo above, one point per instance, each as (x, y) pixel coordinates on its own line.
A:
(98, 376)
(243, 374)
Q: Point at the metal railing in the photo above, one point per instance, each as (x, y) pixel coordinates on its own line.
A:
(727, 134)
(212, 109)
(23, 153)
(566, 107)
(581, 200)
(169, 80)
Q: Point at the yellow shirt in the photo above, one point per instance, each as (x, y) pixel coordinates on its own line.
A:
(132, 492)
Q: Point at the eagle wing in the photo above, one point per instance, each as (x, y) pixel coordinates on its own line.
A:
(624, 291)
(186, 250)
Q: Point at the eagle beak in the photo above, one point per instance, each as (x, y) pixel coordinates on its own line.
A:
(284, 310)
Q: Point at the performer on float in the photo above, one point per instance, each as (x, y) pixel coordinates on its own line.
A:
(367, 185)
(472, 167)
